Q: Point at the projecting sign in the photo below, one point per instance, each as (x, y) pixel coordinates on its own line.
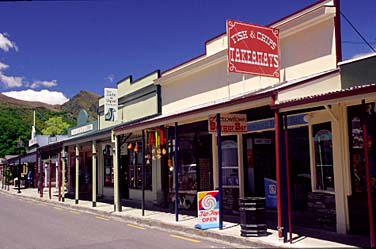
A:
(253, 49)
(230, 123)
(110, 104)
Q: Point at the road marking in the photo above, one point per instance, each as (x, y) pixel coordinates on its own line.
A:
(74, 212)
(184, 238)
(137, 227)
(57, 208)
(101, 218)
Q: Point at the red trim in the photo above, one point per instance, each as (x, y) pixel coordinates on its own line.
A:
(278, 170)
(368, 177)
(185, 62)
(337, 26)
(296, 12)
(215, 37)
(328, 96)
(199, 110)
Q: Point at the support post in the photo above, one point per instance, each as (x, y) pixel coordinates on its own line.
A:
(117, 206)
(368, 179)
(94, 173)
(41, 182)
(77, 157)
(49, 177)
(220, 188)
(278, 171)
(59, 176)
(63, 175)
(19, 175)
(143, 174)
(288, 179)
(176, 166)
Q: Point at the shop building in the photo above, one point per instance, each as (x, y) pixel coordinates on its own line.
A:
(91, 149)
(195, 90)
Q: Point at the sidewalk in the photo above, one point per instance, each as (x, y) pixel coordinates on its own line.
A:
(166, 221)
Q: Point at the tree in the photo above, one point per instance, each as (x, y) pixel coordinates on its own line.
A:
(55, 126)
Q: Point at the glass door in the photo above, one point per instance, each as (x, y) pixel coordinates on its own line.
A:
(230, 174)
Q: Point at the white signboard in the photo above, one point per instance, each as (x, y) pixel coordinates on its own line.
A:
(110, 104)
(82, 129)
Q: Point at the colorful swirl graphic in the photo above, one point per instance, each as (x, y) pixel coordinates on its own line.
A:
(208, 202)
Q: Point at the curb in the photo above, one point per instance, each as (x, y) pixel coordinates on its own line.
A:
(210, 235)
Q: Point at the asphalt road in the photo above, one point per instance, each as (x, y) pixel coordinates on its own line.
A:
(33, 224)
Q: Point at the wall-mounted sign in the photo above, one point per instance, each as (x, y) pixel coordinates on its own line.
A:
(208, 209)
(230, 123)
(82, 129)
(253, 49)
(110, 104)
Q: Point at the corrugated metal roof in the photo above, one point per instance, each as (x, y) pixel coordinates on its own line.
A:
(361, 89)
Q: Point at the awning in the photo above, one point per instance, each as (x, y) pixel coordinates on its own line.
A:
(343, 95)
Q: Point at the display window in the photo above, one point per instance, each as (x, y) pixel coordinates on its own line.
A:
(135, 166)
(357, 160)
(108, 167)
(322, 136)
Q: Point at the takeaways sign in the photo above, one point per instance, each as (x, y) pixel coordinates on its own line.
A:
(253, 49)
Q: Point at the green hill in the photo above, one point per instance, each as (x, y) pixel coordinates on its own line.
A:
(16, 117)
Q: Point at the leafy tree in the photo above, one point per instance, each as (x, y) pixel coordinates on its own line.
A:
(55, 126)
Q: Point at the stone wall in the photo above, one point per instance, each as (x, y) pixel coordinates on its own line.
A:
(322, 206)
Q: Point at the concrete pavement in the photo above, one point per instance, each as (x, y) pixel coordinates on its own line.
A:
(166, 221)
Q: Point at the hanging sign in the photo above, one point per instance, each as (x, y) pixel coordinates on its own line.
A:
(253, 49)
(230, 123)
(110, 104)
(208, 209)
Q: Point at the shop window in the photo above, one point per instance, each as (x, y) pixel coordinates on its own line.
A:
(230, 176)
(188, 165)
(135, 167)
(358, 169)
(323, 156)
(108, 167)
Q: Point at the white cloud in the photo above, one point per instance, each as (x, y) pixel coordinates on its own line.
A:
(3, 66)
(11, 81)
(44, 83)
(45, 96)
(110, 77)
(6, 44)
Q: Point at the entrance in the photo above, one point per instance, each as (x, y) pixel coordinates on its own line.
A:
(124, 179)
(358, 209)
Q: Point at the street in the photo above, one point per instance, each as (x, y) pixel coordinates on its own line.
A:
(35, 224)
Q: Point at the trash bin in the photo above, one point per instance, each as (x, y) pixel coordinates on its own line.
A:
(252, 216)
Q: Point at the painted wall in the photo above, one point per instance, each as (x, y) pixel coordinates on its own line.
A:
(307, 47)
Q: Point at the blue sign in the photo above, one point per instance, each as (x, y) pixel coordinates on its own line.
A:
(270, 186)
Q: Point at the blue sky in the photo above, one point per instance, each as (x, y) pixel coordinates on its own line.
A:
(67, 46)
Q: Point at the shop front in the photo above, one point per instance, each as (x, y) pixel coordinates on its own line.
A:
(361, 119)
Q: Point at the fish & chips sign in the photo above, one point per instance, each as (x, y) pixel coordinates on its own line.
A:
(253, 49)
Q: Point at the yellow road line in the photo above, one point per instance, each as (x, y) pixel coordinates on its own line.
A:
(137, 227)
(74, 212)
(57, 208)
(101, 218)
(184, 238)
